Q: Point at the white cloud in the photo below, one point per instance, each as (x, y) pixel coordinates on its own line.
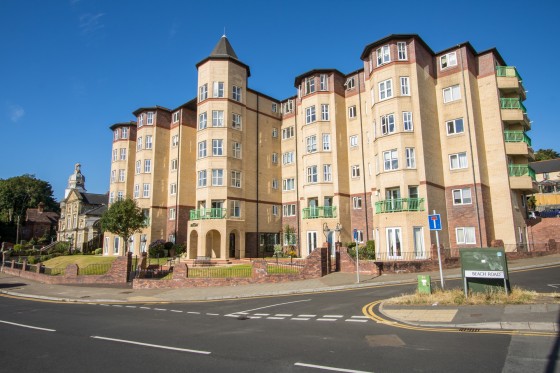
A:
(15, 112)
(90, 23)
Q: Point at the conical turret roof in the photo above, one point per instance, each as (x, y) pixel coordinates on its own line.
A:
(223, 49)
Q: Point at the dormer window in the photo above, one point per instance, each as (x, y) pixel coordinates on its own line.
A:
(309, 85)
(141, 120)
(150, 119)
(175, 117)
(124, 133)
(350, 84)
(383, 55)
(116, 133)
(324, 82)
(448, 60)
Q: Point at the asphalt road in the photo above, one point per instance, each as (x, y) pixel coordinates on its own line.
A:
(303, 333)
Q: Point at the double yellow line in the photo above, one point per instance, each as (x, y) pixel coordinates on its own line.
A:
(369, 310)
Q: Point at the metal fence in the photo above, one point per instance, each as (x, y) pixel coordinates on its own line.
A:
(284, 268)
(154, 273)
(220, 272)
(95, 269)
(53, 271)
(399, 255)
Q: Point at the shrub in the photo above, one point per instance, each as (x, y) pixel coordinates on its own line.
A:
(31, 259)
(156, 248)
(18, 248)
(366, 252)
(179, 248)
(98, 251)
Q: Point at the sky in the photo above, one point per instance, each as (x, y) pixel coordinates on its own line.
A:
(69, 69)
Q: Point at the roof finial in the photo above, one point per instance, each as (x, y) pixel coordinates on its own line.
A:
(224, 35)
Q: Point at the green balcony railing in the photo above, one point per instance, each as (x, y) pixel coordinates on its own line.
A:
(512, 103)
(517, 136)
(399, 204)
(508, 71)
(319, 212)
(202, 214)
(521, 170)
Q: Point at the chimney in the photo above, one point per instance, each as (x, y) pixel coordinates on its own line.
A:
(41, 207)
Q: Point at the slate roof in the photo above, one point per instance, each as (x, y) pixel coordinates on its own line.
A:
(48, 217)
(223, 49)
(95, 199)
(551, 165)
(96, 211)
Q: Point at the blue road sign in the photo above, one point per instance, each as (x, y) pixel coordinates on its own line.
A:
(355, 234)
(434, 221)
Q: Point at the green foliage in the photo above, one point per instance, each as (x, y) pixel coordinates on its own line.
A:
(156, 249)
(19, 193)
(18, 248)
(123, 218)
(98, 251)
(546, 154)
(179, 248)
(278, 251)
(367, 251)
(31, 259)
(61, 248)
(531, 202)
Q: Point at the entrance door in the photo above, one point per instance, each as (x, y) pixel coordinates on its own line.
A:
(419, 250)
(331, 241)
(393, 197)
(394, 241)
(311, 241)
(232, 245)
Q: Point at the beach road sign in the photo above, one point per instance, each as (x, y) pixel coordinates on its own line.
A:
(435, 222)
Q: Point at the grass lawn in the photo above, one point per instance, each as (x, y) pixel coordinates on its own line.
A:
(81, 260)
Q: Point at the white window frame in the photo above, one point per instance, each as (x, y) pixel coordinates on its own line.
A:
(385, 89)
(124, 133)
(460, 159)
(452, 128)
(394, 234)
(274, 183)
(236, 121)
(202, 120)
(465, 236)
(236, 93)
(309, 85)
(448, 60)
(357, 203)
(173, 189)
(236, 149)
(289, 210)
(172, 213)
(202, 178)
(123, 154)
(327, 173)
(288, 158)
(138, 167)
(355, 171)
(452, 93)
(410, 156)
(174, 164)
(146, 190)
(139, 144)
(217, 177)
(312, 176)
(217, 147)
(115, 155)
(218, 90)
(235, 208)
(311, 143)
(121, 176)
(275, 210)
(405, 85)
(287, 132)
(310, 115)
(390, 160)
(203, 92)
(274, 132)
(326, 142)
(274, 158)
(175, 117)
(408, 124)
(217, 118)
(149, 142)
(288, 184)
(202, 149)
(174, 140)
(323, 82)
(150, 118)
(350, 83)
(353, 141)
(325, 112)
(383, 55)
(461, 196)
(352, 113)
(147, 166)
(236, 179)
(388, 125)
(402, 53)
(136, 190)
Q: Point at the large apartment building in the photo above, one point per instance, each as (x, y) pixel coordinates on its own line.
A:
(374, 151)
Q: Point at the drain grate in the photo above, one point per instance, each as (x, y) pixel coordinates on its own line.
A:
(469, 330)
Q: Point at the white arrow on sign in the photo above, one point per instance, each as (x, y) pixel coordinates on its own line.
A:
(556, 286)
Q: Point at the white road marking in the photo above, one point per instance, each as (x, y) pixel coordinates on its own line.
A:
(327, 319)
(151, 345)
(145, 308)
(334, 316)
(27, 326)
(284, 315)
(130, 306)
(307, 315)
(330, 368)
(554, 286)
(274, 305)
(355, 320)
(231, 315)
(300, 318)
(117, 305)
(178, 311)
(194, 313)
(212, 314)
(260, 314)
(360, 317)
(160, 309)
(105, 305)
(253, 317)
(275, 318)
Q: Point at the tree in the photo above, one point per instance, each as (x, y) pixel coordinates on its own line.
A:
(19, 193)
(123, 218)
(546, 154)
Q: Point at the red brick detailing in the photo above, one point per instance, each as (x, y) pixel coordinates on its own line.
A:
(466, 215)
(358, 216)
(348, 264)
(542, 230)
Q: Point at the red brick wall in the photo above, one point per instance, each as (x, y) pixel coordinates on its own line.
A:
(541, 230)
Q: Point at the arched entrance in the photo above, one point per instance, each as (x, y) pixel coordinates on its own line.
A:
(213, 239)
(193, 245)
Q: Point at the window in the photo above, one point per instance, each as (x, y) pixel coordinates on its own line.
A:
(140, 120)
(385, 89)
(324, 112)
(274, 132)
(147, 166)
(136, 191)
(203, 92)
(124, 133)
(405, 86)
(116, 133)
(311, 142)
(150, 118)
(394, 242)
(465, 235)
(455, 126)
(274, 158)
(288, 158)
(288, 106)
(458, 161)
(115, 155)
(202, 149)
(173, 189)
(123, 154)
(390, 160)
(352, 112)
(218, 90)
(274, 107)
(462, 196)
(327, 172)
(174, 164)
(289, 210)
(138, 167)
(202, 178)
(175, 140)
(388, 124)
(175, 117)
(217, 147)
(356, 203)
(217, 118)
(413, 192)
(448, 60)
(121, 176)
(309, 85)
(355, 171)
(217, 177)
(326, 142)
(452, 93)
(410, 158)
(148, 142)
(236, 93)
(139, 144)
(236, 179)
(236, 150)
(235, 209)
(383, 55)
(202, 121)
(310, 116)
(407, 121)
(146, 190)
(350, 84)
(116, 242)
(236, 121)
(323, 82)
(113, 176)
(353, 140)
(288, 184)
(111, 200)
(287, 132)
(275, 210)
(401, 49)
(274, 184)
(312, 174)
(172, 213)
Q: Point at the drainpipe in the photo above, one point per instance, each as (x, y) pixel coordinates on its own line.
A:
(296, 181)
(363, 159)
(471, 147)
(257, 178)
(177, 178)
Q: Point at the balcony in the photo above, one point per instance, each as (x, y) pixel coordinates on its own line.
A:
(399, 205)
(517, 136)
(203, 214)
(509, 80)
(522, 177)
(518, 143)
(512, 103)
(513, 110)
(319, 212)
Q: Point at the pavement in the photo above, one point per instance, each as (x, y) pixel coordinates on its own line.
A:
(534, 317)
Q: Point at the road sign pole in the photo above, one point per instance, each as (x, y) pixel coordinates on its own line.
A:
(357, 257)
(439, 258)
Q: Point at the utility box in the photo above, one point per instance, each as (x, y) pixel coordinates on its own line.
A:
(424, 284)
(484, 270)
